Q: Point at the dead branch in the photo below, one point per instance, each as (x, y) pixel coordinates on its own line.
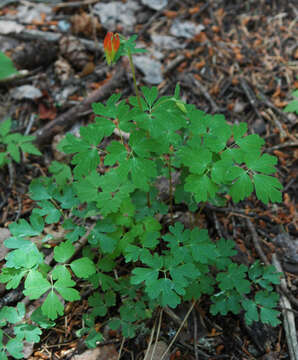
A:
(67, 119)
(288, 316)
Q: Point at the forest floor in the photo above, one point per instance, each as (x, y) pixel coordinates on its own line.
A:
(238, 58)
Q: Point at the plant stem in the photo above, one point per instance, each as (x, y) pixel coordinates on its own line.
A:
(170, 188)
(134, 79)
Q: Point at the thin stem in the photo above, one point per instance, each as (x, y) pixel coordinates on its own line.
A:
(178, 331)
(134, 78)
(198, 214)
(148, 200)
(171, 188)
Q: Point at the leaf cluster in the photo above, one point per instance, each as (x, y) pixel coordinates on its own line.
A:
(165, 265)
(11, 145)
(22, 331)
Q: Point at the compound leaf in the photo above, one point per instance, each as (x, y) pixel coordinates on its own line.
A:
(83, 267)
(36, 285)
(52, 306)
(63, 251)
(267, 188)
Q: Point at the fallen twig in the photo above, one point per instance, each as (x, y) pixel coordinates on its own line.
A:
(47, 36)
(282, 146)
(288, 316)
(178, 331)
(250, 95)
(190, 79)
(65, 120)
(255, 240)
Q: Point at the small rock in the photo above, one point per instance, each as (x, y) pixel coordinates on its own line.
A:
(150, 68)
(155, 4)
(185, 29)
(26, 92)
(28, 14)
(239, 106)
(166, 42)
(7, 43)
(64, 25)
(259, 127)
(7, 27)
(101, 353)
(116, 13)
(160, 348)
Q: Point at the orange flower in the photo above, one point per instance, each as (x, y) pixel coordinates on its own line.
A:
(111, 45)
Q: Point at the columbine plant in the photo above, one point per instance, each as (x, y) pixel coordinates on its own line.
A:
(138, 255)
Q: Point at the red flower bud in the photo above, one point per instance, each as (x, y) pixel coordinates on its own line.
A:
(111, 45)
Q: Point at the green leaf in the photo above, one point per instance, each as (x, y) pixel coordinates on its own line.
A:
(264, 164)
(141, 144)
(30, 149)
(35, 285)
(201, 186)
(144, 274)
(198, 124)
(83, 267)
(165, 289)
(68, 198)
(234, 278)
(12, 314)
(26, 256)
(202, 248)
(218, 134)
(90, 134)
(87, 188)
(85, 161)
(64, 288)
(225, 250)
(15, 347)
(142, 171)
(221, 170)
(61, 172)
(107, 243)
(266, 299)
(41, 320)
(47, 208)
(270, 316)
(12, 277)
(251, 309)
(64, 251)
(225, 302)
(150, 94)
(52, 306)
(250, 143)
(2, 352)
(239, 130)
(196, 157)
(98, 306)
(293, 105)
(5, 127)
(116, 153)
(30, 333)
(22, 228)
(267, 188)
(242, 187)
(134, 253)
(39, 191)
(6, 66)
(14, 152)
(93, 338)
